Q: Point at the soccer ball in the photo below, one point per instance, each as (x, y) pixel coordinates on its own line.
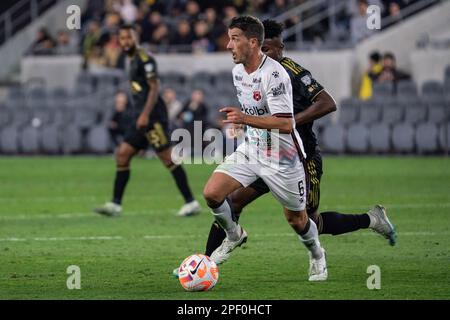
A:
(198, 273)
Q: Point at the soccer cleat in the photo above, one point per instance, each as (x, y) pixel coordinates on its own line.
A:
(318, 267)
(109, 209)
(189, 209)
(380, 223)
(223, 252)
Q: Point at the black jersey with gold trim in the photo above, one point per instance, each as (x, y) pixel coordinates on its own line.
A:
(142, 66)
(304, 90)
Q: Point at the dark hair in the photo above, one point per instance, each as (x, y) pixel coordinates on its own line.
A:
(272, 29)
(375, 56)
(389, 55)
(127, 27)
(250, 26)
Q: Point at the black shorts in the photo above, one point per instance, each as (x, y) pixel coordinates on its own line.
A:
(157, 135)
(314, 174)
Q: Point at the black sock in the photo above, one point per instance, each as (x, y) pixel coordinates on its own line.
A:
(217, 234)
(215, 238)
(180, 178)
(337, 223)
(122, 176)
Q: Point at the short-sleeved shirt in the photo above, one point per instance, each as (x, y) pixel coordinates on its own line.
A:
(268, 92)
(142, 66)
(304, 90)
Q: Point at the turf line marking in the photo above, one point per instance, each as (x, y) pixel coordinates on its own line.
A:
(195, 236)
(73, 215)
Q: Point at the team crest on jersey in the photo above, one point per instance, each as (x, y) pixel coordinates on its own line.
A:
(306, 80)
(257, 95)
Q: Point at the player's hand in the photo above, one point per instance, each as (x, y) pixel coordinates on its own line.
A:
(234, 115)
(235, 131)
(142, 122)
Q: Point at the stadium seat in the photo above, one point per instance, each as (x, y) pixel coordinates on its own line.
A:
(5, 116)
(71, 140)
(333, 138)
(392, 113)
(415, 114)
(437, 113)
(9, 140)
(370, 113)
(357, 138)
(85, 118)
(382, 90)
(98, 140)
(433, 91)
(43, 115)
(444, 136)
(323, 122)
(169, 78)
(348, 113)
(29, 140)
(447, 73)
(426, 137)
(51, 139)
(403, 137)
(407, 88)
(21, 116)
(380, 138)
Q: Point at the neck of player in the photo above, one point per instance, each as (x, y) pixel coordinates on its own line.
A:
(254, 62)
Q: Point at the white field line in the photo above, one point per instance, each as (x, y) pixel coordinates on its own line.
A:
(363, 208)
(165, 237)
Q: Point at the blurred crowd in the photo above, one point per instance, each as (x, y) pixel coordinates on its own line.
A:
(198, 26)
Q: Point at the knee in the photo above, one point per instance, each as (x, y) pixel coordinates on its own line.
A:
(122, 158)
(213, 196)
(298, 220)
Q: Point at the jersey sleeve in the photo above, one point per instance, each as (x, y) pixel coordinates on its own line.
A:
(307, 86)
(278, 89)
(150, 67)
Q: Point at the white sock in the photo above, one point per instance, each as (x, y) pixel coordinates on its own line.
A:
(311, 240)
(223, 216)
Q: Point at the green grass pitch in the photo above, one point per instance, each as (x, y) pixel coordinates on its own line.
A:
(46, 225)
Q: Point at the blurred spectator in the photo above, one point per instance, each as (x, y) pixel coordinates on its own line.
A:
(96, 58)
(183, 36)
(358, 23)
(90, 39)
(43, 45)
(371, 75)
(395, 14)
(149, 25)
(174, 106)
(160, 38)
(192, 11)
(119, 119)
(128, 11)
(202, 41)
(64, 44)
(390, 73)
(194, 110)
(112, 51)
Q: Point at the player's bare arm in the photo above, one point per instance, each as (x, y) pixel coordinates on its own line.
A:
(323, 105)
(235, 116)
(152, 97)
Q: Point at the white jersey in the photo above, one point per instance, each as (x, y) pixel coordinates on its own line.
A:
(268, 92)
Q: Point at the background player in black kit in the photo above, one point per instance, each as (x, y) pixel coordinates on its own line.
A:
(311, 102)
(150, 126)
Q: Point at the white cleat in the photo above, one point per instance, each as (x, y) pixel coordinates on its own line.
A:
(318, 268)
(380, 223)
(109, 209)
(189, 209)
(223, 252)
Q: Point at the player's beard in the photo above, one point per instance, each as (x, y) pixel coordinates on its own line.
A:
(130, 51)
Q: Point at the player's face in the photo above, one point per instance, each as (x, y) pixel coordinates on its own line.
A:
(127, 40)
(238, 45)
(273, 48)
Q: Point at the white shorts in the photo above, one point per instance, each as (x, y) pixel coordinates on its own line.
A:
(286, 183)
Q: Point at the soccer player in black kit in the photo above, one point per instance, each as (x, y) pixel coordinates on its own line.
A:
(311, 102)
(149, 128)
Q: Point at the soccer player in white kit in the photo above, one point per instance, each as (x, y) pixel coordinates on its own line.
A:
(272, 149)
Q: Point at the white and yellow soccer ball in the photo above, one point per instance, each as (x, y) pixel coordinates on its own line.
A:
(198, 273)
